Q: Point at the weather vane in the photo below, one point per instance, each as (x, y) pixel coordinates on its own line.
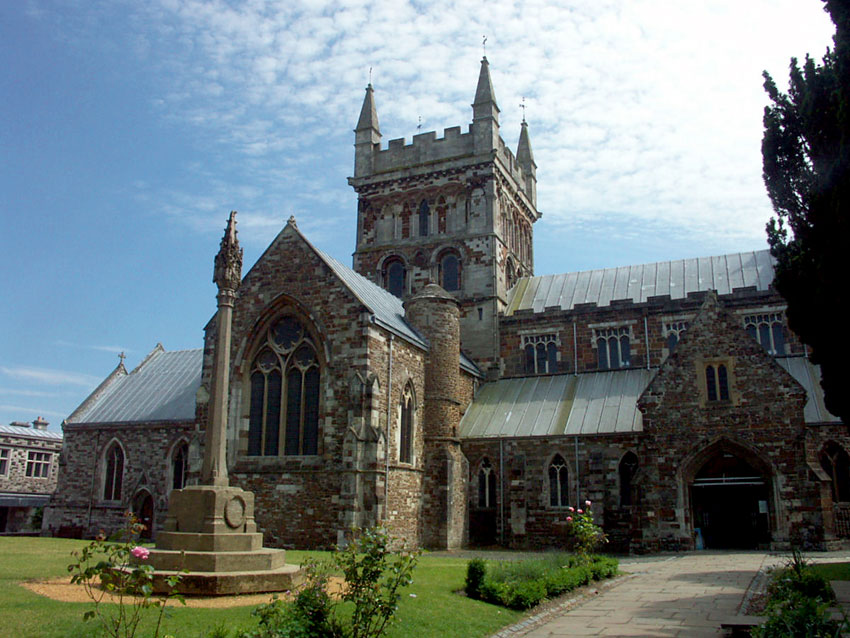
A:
(122, 356)
(419, 126)
(484, 45)
(370, 75)
(522, 106)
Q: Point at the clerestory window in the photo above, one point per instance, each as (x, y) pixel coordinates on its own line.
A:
(673, 331)
(613, 347)
(769, 330)
(284, 409)
(424, 218)
(541, 353)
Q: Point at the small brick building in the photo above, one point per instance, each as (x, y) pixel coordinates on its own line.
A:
(442, 389)
(29, 463)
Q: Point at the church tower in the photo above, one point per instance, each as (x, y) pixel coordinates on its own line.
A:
(456, 211)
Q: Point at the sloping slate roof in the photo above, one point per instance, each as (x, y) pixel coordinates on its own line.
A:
(162, 388)
(723, 273)
(32, 433)
(387, 308)
(808, 375)
(593, 403)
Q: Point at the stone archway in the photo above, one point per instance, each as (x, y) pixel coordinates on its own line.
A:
(143, 511)
(730, 497)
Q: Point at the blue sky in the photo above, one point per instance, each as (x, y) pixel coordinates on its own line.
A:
(129, 130)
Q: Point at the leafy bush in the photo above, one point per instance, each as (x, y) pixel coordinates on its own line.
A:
(105, 569)
(801, 617)
(524, 584)
(373, 577)
(798, 601)
(475, 571)
(583, 535)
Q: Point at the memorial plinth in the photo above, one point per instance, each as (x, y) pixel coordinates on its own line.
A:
(210, 531)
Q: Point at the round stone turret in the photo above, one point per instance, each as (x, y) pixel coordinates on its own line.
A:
(435, 314)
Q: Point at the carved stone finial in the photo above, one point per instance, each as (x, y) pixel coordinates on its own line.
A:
(292, 221)
(228, 262)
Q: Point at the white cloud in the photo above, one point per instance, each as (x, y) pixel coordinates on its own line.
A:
(49, 376)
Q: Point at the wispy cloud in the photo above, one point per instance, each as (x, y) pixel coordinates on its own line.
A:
(50, 377)
(113, 349)
(36, 393)
(650, 110)
(30, 411)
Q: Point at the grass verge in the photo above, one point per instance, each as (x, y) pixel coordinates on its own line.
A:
(433, 609)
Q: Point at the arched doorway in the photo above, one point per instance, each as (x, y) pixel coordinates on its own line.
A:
(143, 511)
(730, 501)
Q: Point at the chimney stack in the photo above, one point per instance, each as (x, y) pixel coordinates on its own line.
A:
(40, 424)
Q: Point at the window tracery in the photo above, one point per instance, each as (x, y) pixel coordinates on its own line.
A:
(284, 403)
(486, 485)
(613, 347)
(836, 463)
(558, 482)
(769, 330)
(541, 353)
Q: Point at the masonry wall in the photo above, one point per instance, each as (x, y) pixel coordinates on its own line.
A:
(646, 324)
(14, 482)
(761, 423)
(77, 508)
(524, 517)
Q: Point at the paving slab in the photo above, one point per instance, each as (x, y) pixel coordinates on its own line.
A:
(687, 594)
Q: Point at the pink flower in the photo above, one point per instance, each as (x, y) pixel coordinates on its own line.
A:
(141, 553)
(569, 519)
(581, 511)
(587, 503)
(571, 508)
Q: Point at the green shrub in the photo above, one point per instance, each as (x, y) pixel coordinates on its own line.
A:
(524, 584)
(800, 617)
(373, 577)
(476, 569)
(797, 578)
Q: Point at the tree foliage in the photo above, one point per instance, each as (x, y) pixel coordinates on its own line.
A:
(806, 153)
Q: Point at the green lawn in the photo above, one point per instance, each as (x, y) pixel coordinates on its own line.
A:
(434, 610)
(832, 571)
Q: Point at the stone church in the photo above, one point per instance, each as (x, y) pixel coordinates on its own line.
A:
(443, 390)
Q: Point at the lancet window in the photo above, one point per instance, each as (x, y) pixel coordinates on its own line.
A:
(395, 276)
(113, 475)
(408, 408)
(836, 463)
(558, 482)
(486, 485)
(717, 383)
(450, 272)
(179, 466)
(284, 410)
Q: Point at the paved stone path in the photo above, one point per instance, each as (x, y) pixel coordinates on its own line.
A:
(681, 595)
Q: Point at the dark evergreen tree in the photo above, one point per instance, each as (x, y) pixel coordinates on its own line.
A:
(806, 152)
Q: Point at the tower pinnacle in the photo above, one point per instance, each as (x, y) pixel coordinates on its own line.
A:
(368, 113)
(484, 94)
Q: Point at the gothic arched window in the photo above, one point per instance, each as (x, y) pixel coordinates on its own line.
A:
(717, 383)
(486, 485)
(405, 439)
(836, 463)
(179, 466)
(395, 276)
(113, 476)
(285, 393)
(450, 272)
(628, 468)
(424, 218)
(558, 482)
